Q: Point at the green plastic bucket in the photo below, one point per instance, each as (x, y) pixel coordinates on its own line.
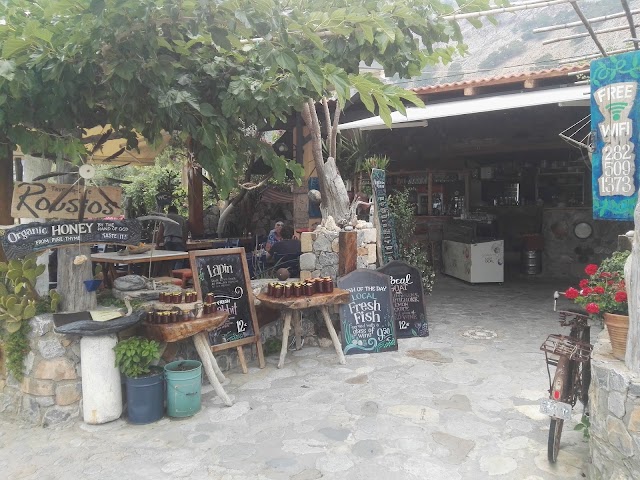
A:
(184, 381)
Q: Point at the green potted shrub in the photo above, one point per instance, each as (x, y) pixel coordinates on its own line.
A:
(144, 382)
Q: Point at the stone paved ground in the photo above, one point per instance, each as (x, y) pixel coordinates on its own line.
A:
(459, 404)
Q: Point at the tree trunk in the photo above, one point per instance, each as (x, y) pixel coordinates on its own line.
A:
(75, 297)
(6, 182)
(335, 199)
(632, 280)
(195, 200)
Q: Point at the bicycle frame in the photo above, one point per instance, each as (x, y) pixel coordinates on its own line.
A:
(571, 356)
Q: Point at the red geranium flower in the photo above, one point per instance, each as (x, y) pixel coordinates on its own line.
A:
(585, 291)
(599, 290)
(605, 275)
(584, 283)
(571, 293)
(591, 269)
(620, 297)
(592, 308)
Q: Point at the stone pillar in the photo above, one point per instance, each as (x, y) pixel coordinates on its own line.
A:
(300, 207)
(101, 388)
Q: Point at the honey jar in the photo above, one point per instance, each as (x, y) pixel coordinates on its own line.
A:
(209, 298)
(297, 289)
(287, 290)
(278, 291)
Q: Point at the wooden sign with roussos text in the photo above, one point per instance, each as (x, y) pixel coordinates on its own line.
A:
(408, 299)
(367, 321)
(224, 273)
(21, 240)
(33, 200)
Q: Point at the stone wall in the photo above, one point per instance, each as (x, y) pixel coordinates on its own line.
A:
(320, 251)
(51, 390)
(614, 400)
(566, 255)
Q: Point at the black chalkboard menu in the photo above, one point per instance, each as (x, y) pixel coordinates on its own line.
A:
(386, 229)
(224, 273)
(21, 240)
(408, 299)
(367, 320)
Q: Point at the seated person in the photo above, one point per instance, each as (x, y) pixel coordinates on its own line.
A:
(275, 235)
(286, 252)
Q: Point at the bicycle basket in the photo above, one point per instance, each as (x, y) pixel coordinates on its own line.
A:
(567, 347)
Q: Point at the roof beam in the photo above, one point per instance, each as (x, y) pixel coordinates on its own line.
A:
(632, 26)
(577, 24)
(589, 28)
(586, 34)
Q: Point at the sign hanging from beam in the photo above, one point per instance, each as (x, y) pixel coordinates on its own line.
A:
(615, 119)
(34, 200)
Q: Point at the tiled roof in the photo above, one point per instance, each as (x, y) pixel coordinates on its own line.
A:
(501, 79)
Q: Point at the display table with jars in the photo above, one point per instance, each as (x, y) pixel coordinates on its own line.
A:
(179, 316)
(293, 298)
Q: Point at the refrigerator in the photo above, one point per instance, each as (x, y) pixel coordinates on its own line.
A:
(481, 262)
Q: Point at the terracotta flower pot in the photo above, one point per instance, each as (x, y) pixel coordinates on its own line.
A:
(618, 327)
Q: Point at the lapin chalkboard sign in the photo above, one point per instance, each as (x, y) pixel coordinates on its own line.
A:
(224, 273)
(367, 320)
(408, 299)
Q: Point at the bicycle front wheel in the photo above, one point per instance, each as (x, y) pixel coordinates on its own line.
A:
(555, 432)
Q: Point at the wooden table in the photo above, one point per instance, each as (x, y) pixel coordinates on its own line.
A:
(196, 328)
(292, 308)
(112, 259)
(199, 244)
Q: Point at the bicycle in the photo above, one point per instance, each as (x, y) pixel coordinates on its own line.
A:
(571, 356)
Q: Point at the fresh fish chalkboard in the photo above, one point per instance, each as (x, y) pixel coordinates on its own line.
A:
(224, 273)
(367, 321)
(408, 299)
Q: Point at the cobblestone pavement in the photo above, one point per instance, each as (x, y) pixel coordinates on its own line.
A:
(459, 404)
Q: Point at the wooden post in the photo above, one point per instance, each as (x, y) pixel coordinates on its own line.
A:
(429, 194)
(196, 221)
(6, 182)
(348, 254)
(75, 297)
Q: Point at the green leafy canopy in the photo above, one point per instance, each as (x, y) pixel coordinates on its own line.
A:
(209, 70)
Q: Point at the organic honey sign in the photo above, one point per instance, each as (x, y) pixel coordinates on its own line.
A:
(35, 200)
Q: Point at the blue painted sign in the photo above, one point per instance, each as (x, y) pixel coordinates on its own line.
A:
(615, 123)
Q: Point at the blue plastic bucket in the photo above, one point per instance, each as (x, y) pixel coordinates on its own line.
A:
(145, 398)
(184, 382)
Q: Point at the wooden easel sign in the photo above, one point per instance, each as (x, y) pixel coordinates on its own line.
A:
(224, 273)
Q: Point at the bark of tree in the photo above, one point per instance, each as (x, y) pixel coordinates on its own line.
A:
(6, 182)
(632, 280)
(75, 297)
(335, 199)
(194, 179)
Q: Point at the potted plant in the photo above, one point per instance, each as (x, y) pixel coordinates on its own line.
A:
(144, 382)
(603, 294)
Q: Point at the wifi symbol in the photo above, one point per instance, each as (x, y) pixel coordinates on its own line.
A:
(616, 109)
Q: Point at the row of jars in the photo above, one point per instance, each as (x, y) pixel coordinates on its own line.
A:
(307, 288)
(178, 297)
(157, 317)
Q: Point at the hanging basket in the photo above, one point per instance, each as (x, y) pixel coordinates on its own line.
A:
(618, 328)
(92, 285)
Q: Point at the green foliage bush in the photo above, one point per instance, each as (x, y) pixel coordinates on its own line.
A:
(403, 214)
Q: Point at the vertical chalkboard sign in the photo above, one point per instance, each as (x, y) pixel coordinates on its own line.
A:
(367, 320)
(388, 246)
(408, 299)
(224, 273)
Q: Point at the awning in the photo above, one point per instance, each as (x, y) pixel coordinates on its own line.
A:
(477, 105)
(271, 195)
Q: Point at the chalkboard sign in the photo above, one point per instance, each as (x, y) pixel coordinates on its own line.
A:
(367, 320)
(224, 273)
(408, 299)
(21, 240)
(386, 230)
